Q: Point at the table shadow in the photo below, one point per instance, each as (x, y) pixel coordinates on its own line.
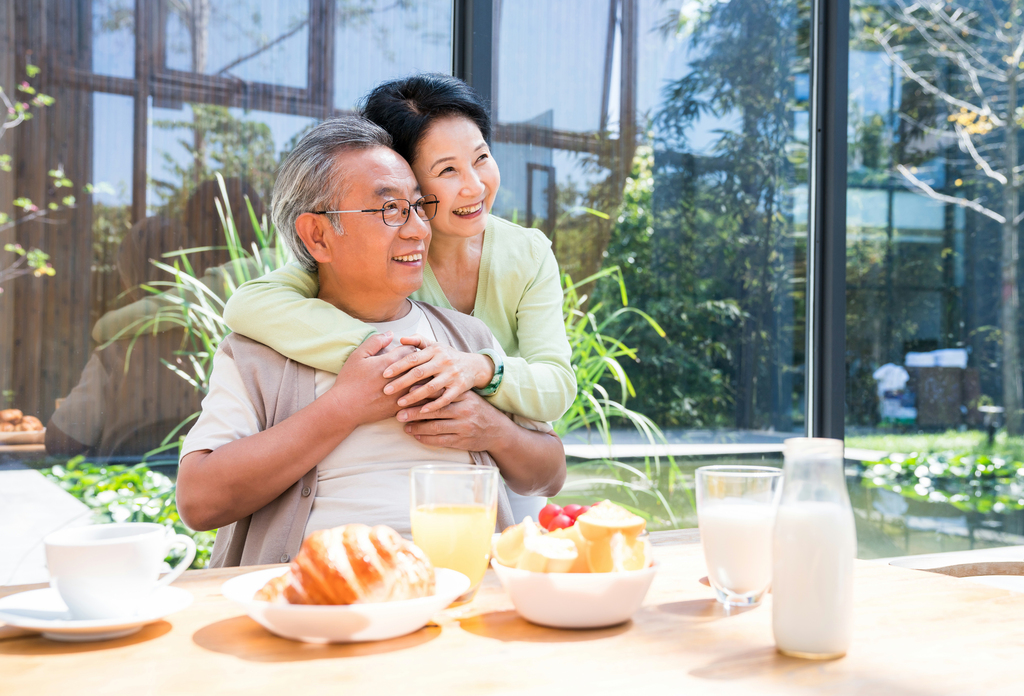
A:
(753, 663)
(509, 627)
(37, 645)
(702, 609)
(244, 638)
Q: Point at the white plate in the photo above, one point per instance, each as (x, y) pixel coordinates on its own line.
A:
(343, 624)
(44, 611)
(23, 437)
(575, 600)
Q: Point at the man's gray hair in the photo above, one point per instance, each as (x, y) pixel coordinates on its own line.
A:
(309, 180)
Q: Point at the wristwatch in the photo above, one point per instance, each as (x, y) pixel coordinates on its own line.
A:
(499, 372)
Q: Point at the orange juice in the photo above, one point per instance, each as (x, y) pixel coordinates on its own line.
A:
(456, 537)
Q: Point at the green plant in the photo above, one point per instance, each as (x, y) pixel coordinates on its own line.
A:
(596, 353)
(188, 301)
(971, 483)
(117, 493)
(596, 335)
(32, 260)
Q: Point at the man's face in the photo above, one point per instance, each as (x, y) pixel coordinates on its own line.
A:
(373, 262)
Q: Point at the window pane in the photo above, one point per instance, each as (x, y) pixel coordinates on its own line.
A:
(113, 123)
(929, 313)
(376, 40)
(192, 144)
(252, 40)
(677, 153)
(113, 37)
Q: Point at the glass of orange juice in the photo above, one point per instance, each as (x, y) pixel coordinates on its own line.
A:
(454, 509)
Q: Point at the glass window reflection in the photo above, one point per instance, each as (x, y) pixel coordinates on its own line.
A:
(113, 37)
(679, 155)
(252, 40)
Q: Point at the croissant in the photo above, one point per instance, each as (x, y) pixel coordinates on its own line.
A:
(353, 564)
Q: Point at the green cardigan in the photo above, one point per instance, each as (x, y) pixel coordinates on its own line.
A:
(519, 297)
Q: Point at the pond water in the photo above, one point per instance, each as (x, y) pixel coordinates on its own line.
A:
(888, 524)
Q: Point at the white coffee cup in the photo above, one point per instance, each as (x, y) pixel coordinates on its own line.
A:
(107, 571)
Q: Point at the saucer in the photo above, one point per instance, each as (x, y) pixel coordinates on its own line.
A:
(44, 611)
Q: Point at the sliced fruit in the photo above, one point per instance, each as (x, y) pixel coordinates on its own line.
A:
(548, 513)
(630, 556)
(509, 546)
(547, 554)
(606, 518)
(599, 556)
(580, 565)
(617, 553)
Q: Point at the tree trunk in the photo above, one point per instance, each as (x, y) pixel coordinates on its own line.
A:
(199, 23)
(1009, 310)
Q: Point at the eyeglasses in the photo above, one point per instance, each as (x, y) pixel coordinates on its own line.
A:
(395, 213)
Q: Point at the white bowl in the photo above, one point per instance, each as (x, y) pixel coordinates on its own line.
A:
(342, 624)
(575, 600)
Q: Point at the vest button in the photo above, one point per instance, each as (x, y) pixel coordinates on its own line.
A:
(284, 558)
(305, 491)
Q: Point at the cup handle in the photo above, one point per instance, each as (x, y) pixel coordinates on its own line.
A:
(183, 564)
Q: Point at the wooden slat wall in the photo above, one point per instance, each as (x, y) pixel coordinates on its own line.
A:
(51, 316)
(6, 196)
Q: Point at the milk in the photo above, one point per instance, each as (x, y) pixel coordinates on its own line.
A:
(737, 539)
(812, 581)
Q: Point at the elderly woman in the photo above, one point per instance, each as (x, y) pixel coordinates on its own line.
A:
(283, 449)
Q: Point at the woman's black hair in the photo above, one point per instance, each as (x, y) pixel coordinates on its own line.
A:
(407, 107)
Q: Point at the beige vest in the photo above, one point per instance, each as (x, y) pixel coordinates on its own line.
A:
(277, 388)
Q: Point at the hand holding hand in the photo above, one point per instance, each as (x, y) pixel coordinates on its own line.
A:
(359, 389)
(450, 372)
(468, 423)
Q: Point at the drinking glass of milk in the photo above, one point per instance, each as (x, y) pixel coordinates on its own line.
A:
(735, 512)
(814, 547)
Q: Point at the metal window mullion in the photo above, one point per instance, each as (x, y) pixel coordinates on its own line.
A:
(140, 134)
(474, 41)
(320, 43)
(826, 236)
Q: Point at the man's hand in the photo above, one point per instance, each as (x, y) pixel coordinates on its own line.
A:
(468, 423)
(450, 372)
(358, 391)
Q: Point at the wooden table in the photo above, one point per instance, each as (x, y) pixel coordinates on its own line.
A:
(916, 633)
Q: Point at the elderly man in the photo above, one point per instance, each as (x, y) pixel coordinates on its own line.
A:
(281, 449)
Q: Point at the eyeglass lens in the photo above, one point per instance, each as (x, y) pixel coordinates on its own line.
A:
(396, 212)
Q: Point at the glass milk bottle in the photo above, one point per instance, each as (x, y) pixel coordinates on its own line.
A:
(814, 546)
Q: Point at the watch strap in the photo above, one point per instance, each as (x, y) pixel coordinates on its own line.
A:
(499, 372)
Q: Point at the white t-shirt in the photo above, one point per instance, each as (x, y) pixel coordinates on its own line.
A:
(366, 478)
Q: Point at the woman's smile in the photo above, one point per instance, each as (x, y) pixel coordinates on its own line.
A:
(469, 210)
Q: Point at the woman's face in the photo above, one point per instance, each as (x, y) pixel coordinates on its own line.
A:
(454, 163)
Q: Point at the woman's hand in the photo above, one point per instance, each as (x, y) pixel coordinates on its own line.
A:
(468, 423)
(450, 372)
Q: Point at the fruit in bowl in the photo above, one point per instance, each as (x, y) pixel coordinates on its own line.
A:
(552, 516)
(604, 538)
(592, 573)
